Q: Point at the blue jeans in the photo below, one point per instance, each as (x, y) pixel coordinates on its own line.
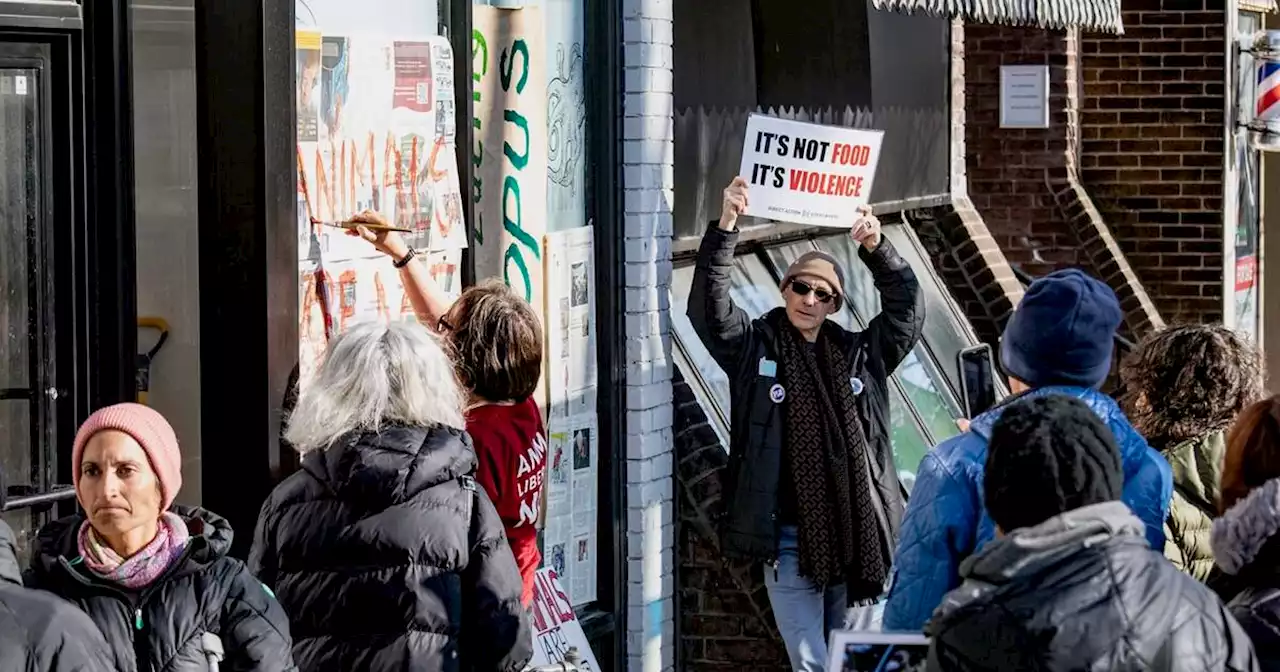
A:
(806, 613)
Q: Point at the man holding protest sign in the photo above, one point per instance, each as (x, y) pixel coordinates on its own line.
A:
(811, 488)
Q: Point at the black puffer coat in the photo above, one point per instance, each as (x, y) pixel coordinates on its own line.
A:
(748, 523)
(387, 556)
(1083, 591)
(162, 628)
(1246, 548)
(39, 632)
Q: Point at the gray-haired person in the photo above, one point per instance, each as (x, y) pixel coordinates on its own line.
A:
(811, 488)
(382, 548)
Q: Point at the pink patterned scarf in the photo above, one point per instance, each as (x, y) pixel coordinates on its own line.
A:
(141, 568)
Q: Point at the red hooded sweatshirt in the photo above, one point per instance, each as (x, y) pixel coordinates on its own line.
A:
(511, 446)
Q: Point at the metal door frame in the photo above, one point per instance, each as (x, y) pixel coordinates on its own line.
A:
(86, 246)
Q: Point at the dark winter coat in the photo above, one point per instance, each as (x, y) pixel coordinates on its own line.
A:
(39, 632)
(947, 522)
(387, 556)
(162, 627)
(1083, 591)
(1246, 548)
(748, 527)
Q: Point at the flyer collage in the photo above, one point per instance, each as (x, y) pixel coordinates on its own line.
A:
(376, 130)
(569, 538)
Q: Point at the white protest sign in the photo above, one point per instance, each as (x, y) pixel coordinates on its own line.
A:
(808, 173)
(556, 629)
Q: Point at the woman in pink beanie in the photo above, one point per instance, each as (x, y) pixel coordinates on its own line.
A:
(155, 577)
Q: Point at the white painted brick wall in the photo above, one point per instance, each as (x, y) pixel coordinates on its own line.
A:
(648, 183)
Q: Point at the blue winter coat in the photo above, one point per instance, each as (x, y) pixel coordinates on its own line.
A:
(946, 520)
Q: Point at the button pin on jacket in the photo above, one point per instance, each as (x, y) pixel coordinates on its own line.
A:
(777, 394)
(857, 385)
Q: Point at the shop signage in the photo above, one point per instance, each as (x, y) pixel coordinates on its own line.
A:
(808, 173)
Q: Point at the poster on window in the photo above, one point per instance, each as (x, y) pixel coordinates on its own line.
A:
(556, 629)
(570, 329)
(510, 188)
(569, 538)
(808, 173)
(335, 295)
(370, 136)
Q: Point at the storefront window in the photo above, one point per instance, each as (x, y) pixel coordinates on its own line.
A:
(918, 372)
(945, 328)
(531, 227)
(909, 443)
(1248, 232)
(167, 221)
(376, 129)
(922, 409)
(21, 134)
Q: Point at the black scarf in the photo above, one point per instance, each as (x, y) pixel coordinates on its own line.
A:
(828, 459)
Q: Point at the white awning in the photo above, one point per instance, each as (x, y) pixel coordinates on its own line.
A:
(1102, 16)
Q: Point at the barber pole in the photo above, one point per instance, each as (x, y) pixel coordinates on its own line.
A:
(1266, 120)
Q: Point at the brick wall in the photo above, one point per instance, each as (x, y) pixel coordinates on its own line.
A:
(1025, 183)
(958, 240)
(1151, 121)
(647, 194)
(725, 619)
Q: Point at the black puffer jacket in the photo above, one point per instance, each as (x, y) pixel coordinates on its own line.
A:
(1083, 591)
(387, 556)
(162, 628)
(39, 632)
(748, 527)
(1246, 548)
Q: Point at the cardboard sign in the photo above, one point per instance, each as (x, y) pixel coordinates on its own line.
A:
(555, 627)
(807, 173)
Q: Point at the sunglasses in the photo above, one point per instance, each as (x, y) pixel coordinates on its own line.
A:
(802, 288)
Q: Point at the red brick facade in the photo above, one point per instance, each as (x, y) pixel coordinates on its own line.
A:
(1152, 120)
(1125, 183)
(1025, 183)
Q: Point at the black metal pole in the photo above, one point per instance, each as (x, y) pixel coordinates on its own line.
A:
(110, 215)
(602, 67)
(248, 248)
(460, 28)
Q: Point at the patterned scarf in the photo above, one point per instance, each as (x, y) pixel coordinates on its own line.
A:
(840, 538)
(141, 568)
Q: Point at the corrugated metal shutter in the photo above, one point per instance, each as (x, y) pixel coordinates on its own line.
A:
(1264, 6)
(1090, 15)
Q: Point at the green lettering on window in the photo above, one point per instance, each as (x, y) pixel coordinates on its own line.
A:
(479, 45)
(515, 226)
(518, 161)
(508, 64)
(513, 256)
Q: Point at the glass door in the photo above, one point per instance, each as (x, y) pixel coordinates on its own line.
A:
(28, 389)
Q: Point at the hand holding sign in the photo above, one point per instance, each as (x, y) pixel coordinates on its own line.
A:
(735, 203)
(807, 173)
(866, 229)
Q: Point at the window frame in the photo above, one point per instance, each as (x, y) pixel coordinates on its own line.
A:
(942, 384)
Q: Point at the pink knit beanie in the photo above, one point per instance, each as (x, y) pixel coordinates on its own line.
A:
(150, 430)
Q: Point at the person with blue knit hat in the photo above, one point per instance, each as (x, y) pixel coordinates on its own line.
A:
(1059, 341)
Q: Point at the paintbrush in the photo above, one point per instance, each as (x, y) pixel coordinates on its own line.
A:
(349, 225)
